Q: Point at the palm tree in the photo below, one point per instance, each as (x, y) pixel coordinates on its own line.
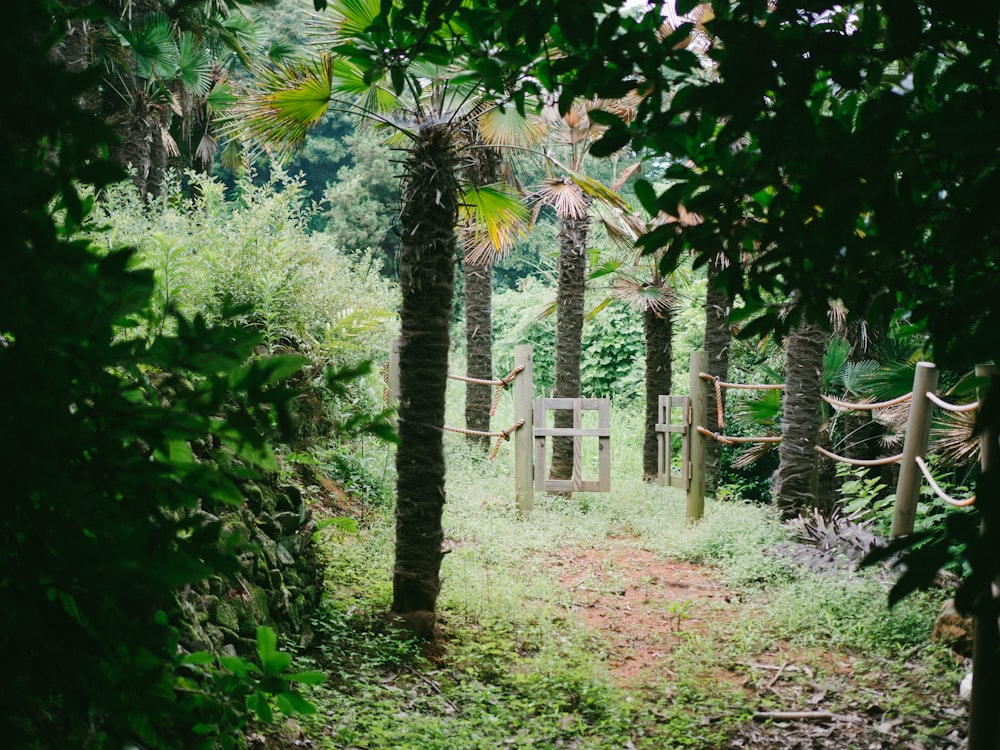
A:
(572, 193)
(486, 239)
(718, 340)
(163, 71)
(796, 482)
(430, 113)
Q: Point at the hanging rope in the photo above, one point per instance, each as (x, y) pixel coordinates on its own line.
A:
(934, 399)
(501, 385)
(502, 434)
(860, 461)
(743, 386)
(836, 403)
(937, 489)
(719, 384)
(730, 440)
(718, 401)
(385, 384)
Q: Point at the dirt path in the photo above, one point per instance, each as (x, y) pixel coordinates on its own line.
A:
(643, 607)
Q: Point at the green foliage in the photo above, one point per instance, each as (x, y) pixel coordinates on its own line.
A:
(120, 452)
(253, 254)
(518, 319)
(361, 203)
(613, 354)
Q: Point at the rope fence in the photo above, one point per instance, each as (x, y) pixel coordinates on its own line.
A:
(954, 408)
(502, 434)
(859, 461)
(501, 385)
(836, 403)
(922, 418)
(733, 440)
(937, 488)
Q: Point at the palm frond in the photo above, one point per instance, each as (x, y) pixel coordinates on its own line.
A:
(627, 174)
(154, 47)
(564, 196)
(594, 188)
(596, 309)
(606, 268)
(838, 352)
(856, 376)
(754, 452)
(194, 65)
(493, 220)
(290, 98)
(657, 296)
(763, 409)
(353, 17)
(505, 127)
(207, 148)
(953, 438)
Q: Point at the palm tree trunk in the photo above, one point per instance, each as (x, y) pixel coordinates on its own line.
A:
(718, 339)
(796, 483)
(571, 268)
(427, 257)
(479, 348)
(483, 170)
(659, 329)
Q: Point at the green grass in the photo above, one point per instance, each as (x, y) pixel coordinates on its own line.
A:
(512, 669)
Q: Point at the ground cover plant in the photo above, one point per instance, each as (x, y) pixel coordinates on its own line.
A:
(606, 621)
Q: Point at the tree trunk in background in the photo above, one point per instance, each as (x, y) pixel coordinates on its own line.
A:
(484, 170)
(479, 347)
(426, 269)
(659, 330)
(718, 339)
(572, 270)
(796, 483)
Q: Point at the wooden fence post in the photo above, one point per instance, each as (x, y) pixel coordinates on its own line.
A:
(699, 408)
(983, 731)
(524, 437)
(918, 430)
(393, 383)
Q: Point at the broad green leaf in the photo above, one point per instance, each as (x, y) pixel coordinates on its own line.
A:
(613, 140)
(308, 678)
(292, 703)
(646, 194)
(276, 663)
(267, 643)
(198, 657)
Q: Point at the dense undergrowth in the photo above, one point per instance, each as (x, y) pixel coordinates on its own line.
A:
(513, 667)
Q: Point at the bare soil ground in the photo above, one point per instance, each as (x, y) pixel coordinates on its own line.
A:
(643, 607)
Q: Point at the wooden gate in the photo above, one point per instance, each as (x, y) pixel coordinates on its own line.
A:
(602, 432)
(667, 424)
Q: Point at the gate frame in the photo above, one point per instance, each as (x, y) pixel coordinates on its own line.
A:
(602, 432)
(665, 427)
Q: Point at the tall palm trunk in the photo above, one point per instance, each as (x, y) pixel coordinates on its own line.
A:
(485, 170)
(479, 348)
(572, 268)
(718, 339)
(796, 483)
(426, 269)
(658, 325)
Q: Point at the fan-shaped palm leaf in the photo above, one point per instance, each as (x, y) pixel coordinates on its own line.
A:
(763, 409)
(953, 438)
(194, 65)
(564, 196)
(290, 99)
(506, 128)
(152, 43)
(493, 219)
